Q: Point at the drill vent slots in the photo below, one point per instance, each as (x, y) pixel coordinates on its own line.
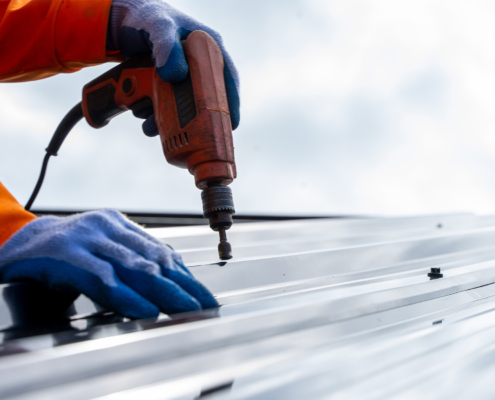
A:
(176, 142)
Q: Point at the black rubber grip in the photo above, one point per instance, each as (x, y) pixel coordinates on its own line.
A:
(101, 105)
(185, 101)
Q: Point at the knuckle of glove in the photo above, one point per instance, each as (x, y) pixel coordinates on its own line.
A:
(100, 220)
(146, 266)
(104, 217)
(149, 126)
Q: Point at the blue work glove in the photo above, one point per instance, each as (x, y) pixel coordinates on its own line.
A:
(109, 259)
(141, 26)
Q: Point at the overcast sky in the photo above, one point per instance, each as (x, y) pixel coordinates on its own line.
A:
(348, 107)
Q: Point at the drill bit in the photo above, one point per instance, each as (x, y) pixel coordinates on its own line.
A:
(224, 247)
(218, 208)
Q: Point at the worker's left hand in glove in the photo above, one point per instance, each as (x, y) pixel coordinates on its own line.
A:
(106, 257)
(141, 26)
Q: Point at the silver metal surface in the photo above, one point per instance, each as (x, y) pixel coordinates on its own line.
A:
(311, 310)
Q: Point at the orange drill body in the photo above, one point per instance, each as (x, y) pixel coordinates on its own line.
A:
(192, 117)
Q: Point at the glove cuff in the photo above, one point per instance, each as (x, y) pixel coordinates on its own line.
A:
(118, 12)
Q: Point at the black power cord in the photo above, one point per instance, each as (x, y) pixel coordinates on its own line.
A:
(63, 129)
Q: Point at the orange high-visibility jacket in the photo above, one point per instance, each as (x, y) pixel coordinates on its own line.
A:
(41, 38)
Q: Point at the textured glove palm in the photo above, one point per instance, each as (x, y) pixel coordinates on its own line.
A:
(106, 257)
(140, 26)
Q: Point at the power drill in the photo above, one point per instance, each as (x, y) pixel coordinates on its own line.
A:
(192, 117)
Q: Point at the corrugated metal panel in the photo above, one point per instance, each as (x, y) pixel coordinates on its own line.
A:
(311, 310)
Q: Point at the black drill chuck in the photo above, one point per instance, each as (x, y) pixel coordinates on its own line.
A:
(218, 208)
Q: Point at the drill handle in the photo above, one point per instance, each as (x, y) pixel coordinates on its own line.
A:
(127, 86)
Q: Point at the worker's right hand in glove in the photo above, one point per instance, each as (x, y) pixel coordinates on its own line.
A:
(109, 259)
(141, 26)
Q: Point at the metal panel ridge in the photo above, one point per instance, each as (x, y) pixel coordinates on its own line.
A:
(311, 309)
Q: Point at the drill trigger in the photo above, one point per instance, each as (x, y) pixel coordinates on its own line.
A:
(143, 108)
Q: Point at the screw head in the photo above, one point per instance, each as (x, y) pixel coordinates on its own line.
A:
(435, 273)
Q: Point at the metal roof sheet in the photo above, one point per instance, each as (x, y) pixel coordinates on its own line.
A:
(310, 309)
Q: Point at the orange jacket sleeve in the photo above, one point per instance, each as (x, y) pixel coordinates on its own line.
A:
(41, 38)
(12, 215)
